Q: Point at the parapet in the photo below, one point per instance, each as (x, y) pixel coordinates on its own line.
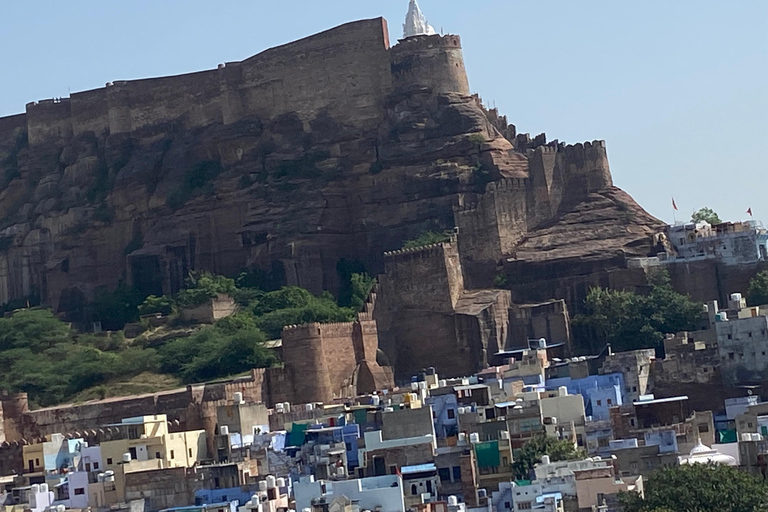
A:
(423, 42)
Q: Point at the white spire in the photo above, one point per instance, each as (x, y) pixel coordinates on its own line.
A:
(416, 23)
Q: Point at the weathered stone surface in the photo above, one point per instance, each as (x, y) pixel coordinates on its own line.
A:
(343, 154)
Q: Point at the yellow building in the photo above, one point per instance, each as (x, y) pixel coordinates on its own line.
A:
(147, 444)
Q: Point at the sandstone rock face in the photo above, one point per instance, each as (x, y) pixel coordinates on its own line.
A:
(333, 147)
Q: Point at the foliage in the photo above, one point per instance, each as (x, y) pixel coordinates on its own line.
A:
(699, 488)
(500, 280)
(154, 304)
(216, 352)
(293, 305)
(630, 321)
(201, 286)
(532, 451)
(428, 238)
(477, 138)
(757, 292)
(40, 355)
(116, 308)
(354, 284)
(707, 215)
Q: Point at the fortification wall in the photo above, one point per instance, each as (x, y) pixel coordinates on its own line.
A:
(426, 278)
(491, 227)
(344, 71)
(585, 167)
(435, 62)
(306, 362)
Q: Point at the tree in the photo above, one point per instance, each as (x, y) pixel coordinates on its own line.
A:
(532, 451)
(707, 215)
(699, 488)
(757, 292)
(630, 321)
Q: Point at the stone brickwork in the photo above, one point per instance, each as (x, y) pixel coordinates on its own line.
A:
(336, 360)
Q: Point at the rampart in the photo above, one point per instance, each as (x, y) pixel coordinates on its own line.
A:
(435, 62)
(335, 360)
(491, 227)
(425, 278)
(344, 71)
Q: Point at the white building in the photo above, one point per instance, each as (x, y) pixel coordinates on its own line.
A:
(381, 493)
(701, 454)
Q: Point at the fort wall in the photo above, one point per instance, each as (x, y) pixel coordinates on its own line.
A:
(344, 71)
(425, 278)
(435, 62)
(491, 227)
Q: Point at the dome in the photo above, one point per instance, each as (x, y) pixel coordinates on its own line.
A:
(702, 454)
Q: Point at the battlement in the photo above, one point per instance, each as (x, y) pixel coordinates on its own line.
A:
(324, 72)
(426, 42)
(437, 249)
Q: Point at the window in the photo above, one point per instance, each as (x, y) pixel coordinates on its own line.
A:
(507, 505)
(525, 505)
(444, 474)
(457, 473)
(133, 453)
(414, 490)
(348, 446)
(451, 413)
(610, 402)
(730, 354)
(157, 455)
(87, 466)
(730, 337)
(79, 491)
(393, 469)
(599, 403)
(429, 486)
(95, 466)
(634, 389)
(109, 461)
(37, 462)
(504, 462)
(703, 429)
(190, 452)
(172, 454)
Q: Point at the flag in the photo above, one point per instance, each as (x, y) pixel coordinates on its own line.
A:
(674, 205)
(749, 211)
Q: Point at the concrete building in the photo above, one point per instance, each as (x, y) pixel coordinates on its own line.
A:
(733, 243)
(635, 366)
(600, 392)
(383, 493)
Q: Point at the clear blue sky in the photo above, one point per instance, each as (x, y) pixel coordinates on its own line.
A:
(677, 88)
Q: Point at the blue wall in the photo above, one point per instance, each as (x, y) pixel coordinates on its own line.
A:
(596, 390)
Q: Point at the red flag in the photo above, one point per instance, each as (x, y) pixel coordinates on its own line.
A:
(674, 205)
(749, 211)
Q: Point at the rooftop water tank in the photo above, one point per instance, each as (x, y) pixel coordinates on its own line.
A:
(474, 437)
(271, 482)
(263, 485)
(545, 459)
(238, 397)
(281, 482)
(224, 430)
(453, 501)
(126, 458)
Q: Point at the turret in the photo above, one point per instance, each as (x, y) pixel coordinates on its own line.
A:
(429, 61)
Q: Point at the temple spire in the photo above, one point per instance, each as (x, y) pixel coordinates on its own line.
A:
(416, 23)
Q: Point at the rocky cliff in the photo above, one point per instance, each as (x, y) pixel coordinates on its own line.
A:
(336, 147)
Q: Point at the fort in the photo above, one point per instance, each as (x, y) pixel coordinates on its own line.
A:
(337, 147)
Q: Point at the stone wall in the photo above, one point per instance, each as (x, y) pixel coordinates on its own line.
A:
(435, 62)
(345, 64)
(335, 360)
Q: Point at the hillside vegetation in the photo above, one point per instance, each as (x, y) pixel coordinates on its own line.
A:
(52, 362)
